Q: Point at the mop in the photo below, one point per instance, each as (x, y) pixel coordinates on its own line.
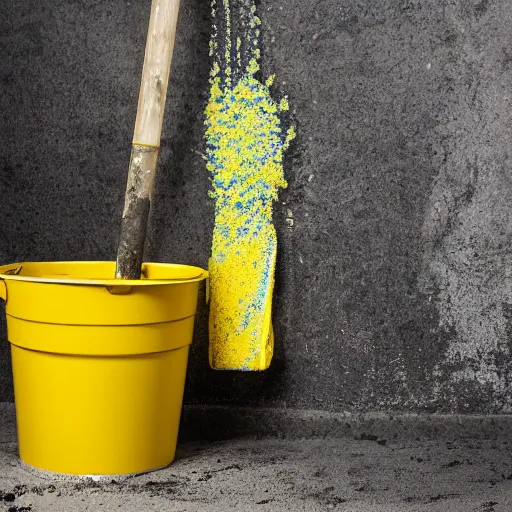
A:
(146, 137)
(245, 145)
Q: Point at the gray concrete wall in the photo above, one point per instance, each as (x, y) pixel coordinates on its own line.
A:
(393, 285)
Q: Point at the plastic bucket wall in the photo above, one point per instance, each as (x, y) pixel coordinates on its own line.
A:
(99, 364)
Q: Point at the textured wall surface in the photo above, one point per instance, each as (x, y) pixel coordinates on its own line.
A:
(393, 284)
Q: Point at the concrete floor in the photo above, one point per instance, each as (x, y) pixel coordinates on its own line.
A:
(271, 474)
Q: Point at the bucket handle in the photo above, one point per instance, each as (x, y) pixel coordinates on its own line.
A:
(14, 271)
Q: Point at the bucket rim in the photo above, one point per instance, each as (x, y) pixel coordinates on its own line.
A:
(11, 271)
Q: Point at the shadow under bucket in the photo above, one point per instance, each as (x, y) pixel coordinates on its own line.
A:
(99, 364)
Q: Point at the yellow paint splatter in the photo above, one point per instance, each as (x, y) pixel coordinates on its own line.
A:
(245, 146)
(284, 105)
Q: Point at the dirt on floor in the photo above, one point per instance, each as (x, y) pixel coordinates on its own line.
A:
(269, 474)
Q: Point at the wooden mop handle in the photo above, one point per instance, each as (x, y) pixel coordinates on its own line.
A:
(155, 73)
(146, 137)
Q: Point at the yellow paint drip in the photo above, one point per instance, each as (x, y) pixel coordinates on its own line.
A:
(246, 142)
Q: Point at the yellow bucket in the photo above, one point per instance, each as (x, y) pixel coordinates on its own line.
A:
(99, 364)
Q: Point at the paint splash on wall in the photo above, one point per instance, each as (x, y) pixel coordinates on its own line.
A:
(245, 145)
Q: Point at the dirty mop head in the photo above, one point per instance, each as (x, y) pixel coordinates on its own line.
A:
(245, 146)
